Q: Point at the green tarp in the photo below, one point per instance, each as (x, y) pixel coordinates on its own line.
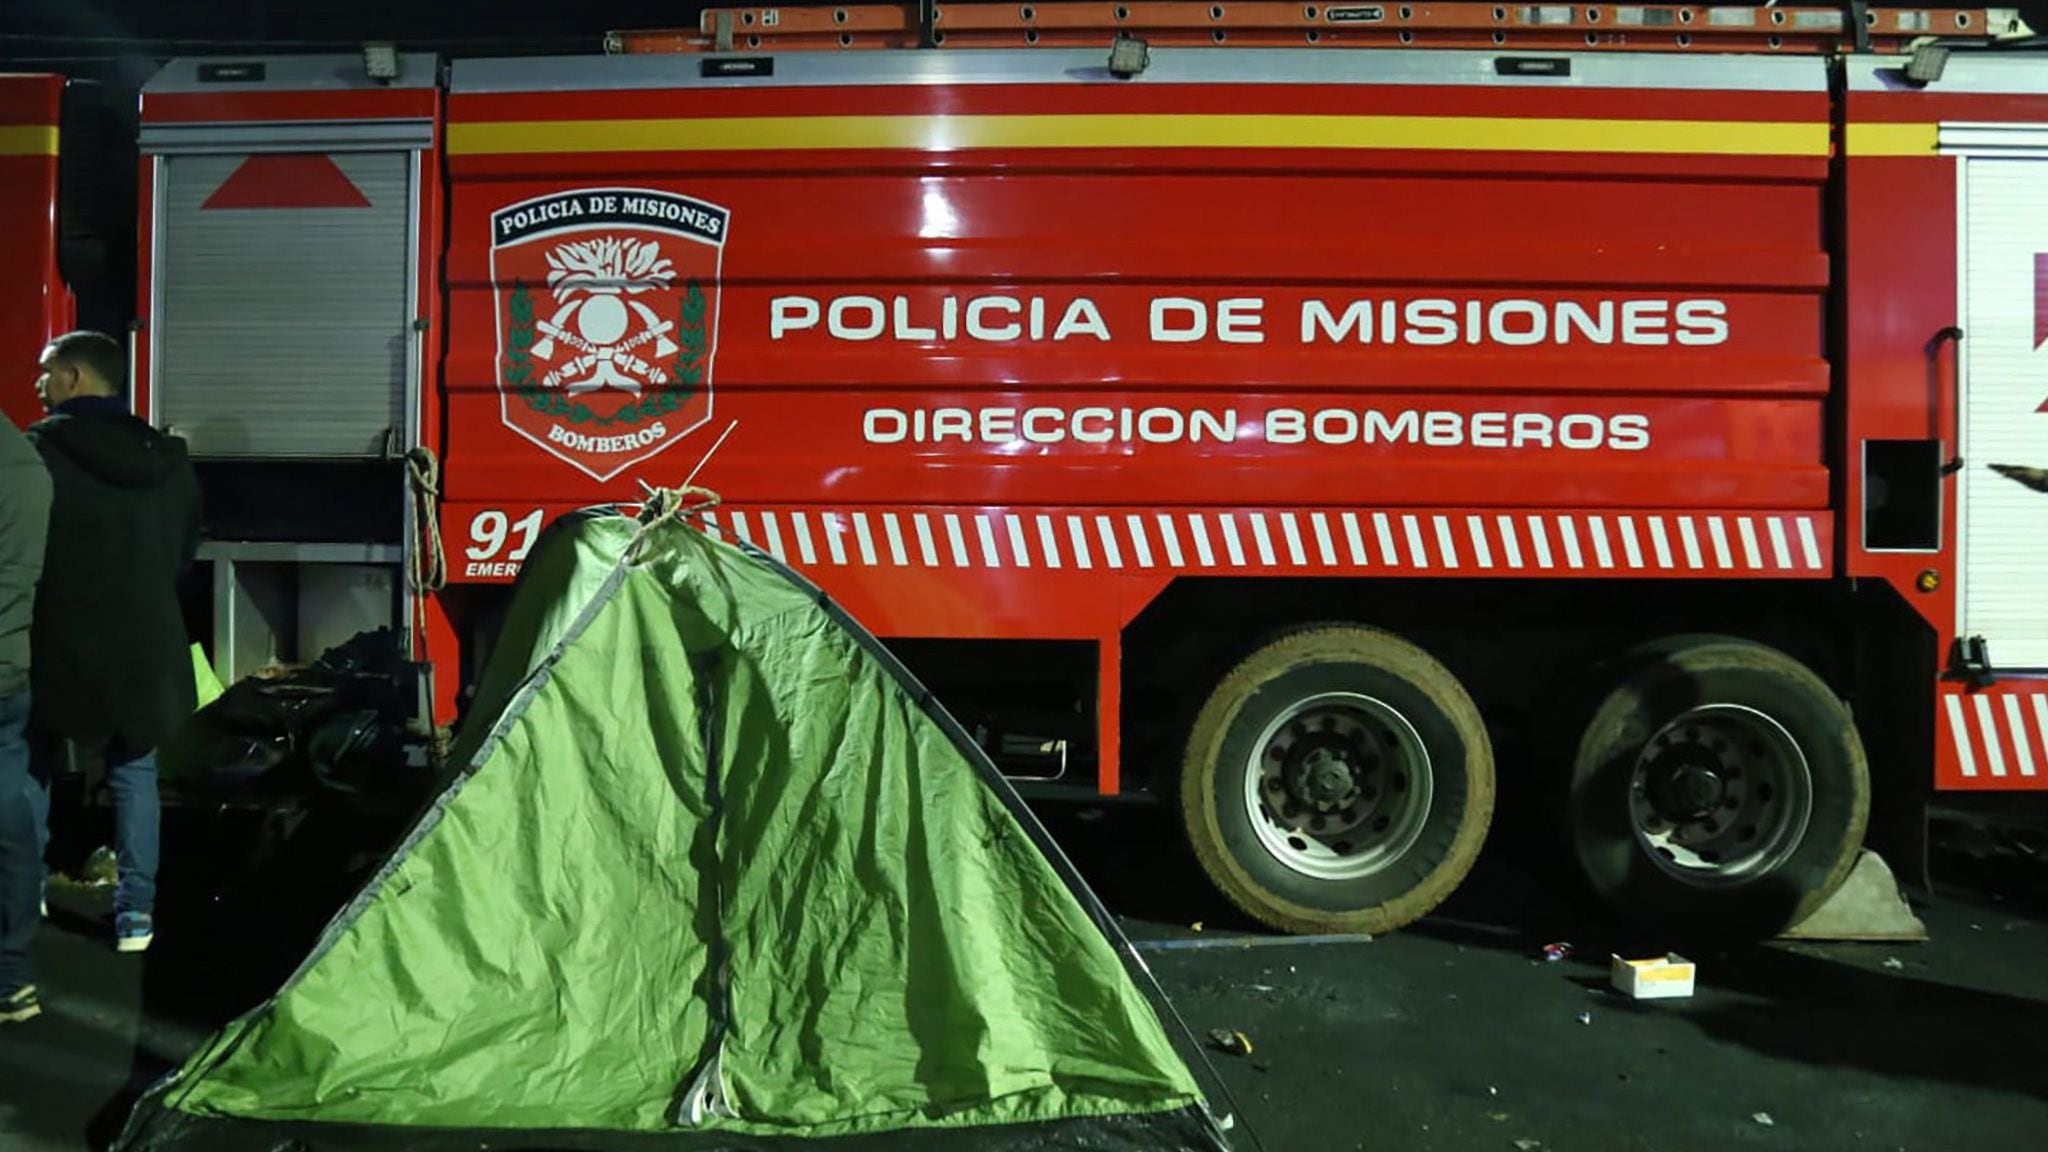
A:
(713, 874)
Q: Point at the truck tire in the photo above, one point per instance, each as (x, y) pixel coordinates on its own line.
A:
(1339, 780)
(1718, 790)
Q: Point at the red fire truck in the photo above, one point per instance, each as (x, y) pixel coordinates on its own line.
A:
(68, 228)
(39, 305)
(1364, 426)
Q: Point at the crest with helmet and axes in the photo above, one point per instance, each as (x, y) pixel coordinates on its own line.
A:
(608, 302)
(597, 317)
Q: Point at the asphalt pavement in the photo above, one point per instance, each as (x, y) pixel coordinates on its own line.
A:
(1456, 1033)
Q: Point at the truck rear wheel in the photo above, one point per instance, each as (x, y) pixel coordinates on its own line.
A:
(1338, 780)
(1718, 789)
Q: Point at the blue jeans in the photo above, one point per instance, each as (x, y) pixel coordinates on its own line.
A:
(21, 858)
(136, 828)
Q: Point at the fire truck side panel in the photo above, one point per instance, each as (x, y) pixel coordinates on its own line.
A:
(38, 305)
(1911, 157)
(1336, 328)
(290, 209)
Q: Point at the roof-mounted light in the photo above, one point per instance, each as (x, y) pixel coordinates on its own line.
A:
(1128, 56)
(380, 62)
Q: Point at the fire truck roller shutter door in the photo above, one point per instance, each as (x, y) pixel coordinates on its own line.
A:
(1717, 790)
(1338, 780)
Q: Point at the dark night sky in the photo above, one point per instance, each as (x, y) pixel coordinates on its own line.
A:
(124, 41)
(69, 35)
(222, 21)
(53, 33)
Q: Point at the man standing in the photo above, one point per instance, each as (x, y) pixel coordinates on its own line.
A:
(112, 672)
(24, 522)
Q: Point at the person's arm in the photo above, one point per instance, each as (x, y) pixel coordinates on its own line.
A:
(24, 501)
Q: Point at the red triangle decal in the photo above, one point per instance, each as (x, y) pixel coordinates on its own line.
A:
(287, 180)
(2040, 299)
(2041, 307)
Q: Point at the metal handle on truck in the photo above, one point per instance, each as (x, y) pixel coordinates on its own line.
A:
(1955, 427)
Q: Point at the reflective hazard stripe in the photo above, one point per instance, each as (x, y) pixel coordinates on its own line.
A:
(1998, 736)
(1450, 542)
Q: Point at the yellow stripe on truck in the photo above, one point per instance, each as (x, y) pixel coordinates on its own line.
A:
(946, 133)
(1894, 139)
(28, 140)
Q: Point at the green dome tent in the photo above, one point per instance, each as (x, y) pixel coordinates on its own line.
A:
(714, 873)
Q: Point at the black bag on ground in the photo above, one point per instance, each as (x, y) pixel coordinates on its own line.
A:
(334, 725)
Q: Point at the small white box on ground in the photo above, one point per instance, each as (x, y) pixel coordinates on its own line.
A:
(1666, 977)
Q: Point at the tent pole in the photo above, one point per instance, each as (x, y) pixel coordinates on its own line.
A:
(704, 1095)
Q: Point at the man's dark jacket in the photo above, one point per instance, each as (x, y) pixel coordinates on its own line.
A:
(113, 666)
